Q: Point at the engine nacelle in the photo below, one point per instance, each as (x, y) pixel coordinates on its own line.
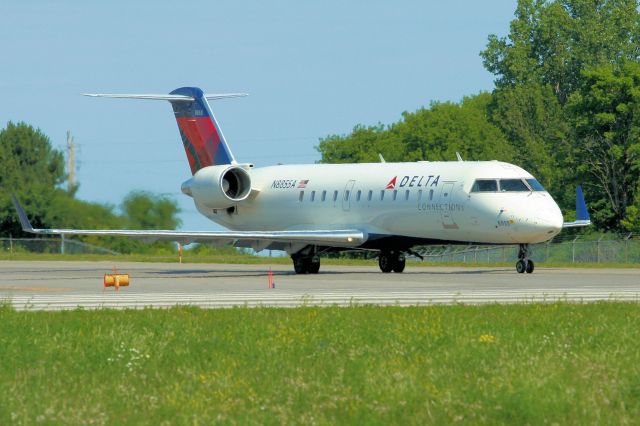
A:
(219, 187)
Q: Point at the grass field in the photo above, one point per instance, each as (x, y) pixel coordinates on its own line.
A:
(517, 364)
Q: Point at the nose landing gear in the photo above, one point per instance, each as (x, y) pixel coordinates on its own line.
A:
(391, 261)
(524, 264)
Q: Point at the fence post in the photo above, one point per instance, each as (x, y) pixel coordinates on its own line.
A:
(62, 244)
(573, 249)
(626, 247)
(598, 249)
(548, 246)
(10, 244)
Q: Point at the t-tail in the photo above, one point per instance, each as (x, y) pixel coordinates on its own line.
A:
(201, 135)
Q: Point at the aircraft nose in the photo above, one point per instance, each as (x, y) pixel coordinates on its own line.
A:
(551, 220)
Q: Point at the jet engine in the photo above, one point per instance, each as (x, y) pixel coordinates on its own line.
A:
(219, 187)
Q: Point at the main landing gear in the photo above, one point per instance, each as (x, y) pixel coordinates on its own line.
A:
(524, 264)
(306, 264)
(391, 261)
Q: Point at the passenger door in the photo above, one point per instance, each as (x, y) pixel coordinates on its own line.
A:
(446, 202)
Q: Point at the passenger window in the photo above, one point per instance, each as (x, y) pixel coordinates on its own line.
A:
(370, 195)
(420, 195)
(301, 197)
(313, 196)
(346, 195)
(431, 195)
(485, 185)
(406, 195)
(382, 195)
(395, 194)
(335, 196)
(535, 185)
(513, 185)
(358, 195)
(324, 195)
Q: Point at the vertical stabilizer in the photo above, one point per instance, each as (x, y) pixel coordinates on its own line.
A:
(203, 140)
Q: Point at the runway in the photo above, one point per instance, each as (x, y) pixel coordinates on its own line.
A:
(69, 285)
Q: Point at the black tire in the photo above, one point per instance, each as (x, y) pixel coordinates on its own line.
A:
(530, 267)
(521, 266)
(314, 266)
(399, 263)
(300, 265)
(385, 262)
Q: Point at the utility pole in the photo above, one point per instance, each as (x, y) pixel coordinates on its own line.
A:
(71, 161)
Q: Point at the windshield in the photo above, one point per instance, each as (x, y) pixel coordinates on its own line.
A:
(485, 185)
(513, 185)
(535, 185)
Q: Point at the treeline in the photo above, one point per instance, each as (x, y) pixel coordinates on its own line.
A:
(35, 172)
(565, 107)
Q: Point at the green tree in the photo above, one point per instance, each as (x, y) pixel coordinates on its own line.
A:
(532, 119)
(433, 133)
(144, 210)
(438, 132)
(606, 124)
(550, 42)
(34, 171)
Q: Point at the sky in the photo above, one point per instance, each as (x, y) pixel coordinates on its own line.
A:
(312, 69)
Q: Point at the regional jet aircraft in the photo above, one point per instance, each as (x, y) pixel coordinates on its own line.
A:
(309, 209)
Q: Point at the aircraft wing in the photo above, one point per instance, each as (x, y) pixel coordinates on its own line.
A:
(256, 239)
(582, 215)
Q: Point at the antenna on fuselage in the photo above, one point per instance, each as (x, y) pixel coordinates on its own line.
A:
(381, 158)
(458, 156)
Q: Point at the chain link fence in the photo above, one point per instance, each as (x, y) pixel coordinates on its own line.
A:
(602, 249)
(50, 245)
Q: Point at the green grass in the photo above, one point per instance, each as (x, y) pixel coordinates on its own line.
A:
(493, 364)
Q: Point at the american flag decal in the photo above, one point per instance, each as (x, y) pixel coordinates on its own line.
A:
(303, 183)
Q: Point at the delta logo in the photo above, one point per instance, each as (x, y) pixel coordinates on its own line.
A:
(413, 182)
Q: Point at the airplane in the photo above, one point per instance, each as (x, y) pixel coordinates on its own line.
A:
(310, 209)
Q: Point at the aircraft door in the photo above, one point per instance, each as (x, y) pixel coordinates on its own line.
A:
(347, 195)
(447, 205)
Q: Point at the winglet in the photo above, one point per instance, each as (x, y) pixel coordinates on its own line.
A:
(581, 206)
(582, 215)
(22, 215)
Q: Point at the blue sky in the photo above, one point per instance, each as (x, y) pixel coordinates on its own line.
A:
(312, 69)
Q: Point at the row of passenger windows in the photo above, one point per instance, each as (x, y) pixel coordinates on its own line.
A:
(322, 196)
(506, 185)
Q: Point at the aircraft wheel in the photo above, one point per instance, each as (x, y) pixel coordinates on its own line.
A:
(300, 265)
(521, 266)
(314, 265)
(399, 264)
(529, 267)
(385, 262)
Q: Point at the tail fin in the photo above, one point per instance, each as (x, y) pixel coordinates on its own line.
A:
(203, 140)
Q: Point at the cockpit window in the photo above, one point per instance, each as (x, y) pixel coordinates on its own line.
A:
(535, 185)
(485, 185)
(512, 185)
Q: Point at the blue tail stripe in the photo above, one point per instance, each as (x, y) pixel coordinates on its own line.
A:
(581, 205)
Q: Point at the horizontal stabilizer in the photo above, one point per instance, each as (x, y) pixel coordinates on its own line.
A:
(582, 215)
(172, 98)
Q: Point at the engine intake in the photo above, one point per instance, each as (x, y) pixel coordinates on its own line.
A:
(218, 187)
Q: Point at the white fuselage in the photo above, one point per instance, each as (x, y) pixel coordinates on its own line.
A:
(422, 200)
